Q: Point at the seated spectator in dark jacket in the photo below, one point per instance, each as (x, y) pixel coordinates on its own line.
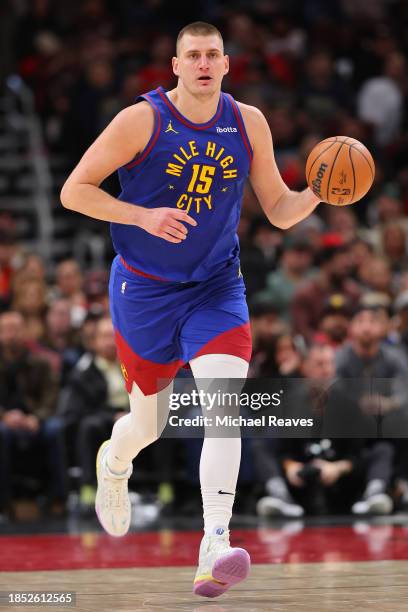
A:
(29, 429)
(380, 388)
(327, 474)
(317, 371)
(94, 398)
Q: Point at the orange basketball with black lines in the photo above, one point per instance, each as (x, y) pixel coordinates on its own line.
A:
(340, 170)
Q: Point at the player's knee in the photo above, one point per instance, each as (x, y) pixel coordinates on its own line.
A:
(145, 433)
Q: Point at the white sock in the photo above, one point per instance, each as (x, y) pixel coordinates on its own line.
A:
(220, 456)
(219, 467)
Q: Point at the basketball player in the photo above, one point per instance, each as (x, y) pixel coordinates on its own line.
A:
(176, 292)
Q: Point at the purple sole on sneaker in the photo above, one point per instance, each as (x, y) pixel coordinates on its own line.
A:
(227, 571)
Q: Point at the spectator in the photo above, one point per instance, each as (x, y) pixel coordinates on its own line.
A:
(375, 275)
(381, 303)
(366, 356)
(383, 210)
(334, 278)
(28, 425)
(381, 99)
(272, 456)
(96, 289)
(295, 265)
(394, 244)
(322, 93)
(30, 300)
(381, 392)
(32, 266)
(280, 358)
(342, 221)
(265, 325)
(361, 253)
(326, 474)
(94, 398)
(261, 242)
(334, 324)
(69, 285)
(61, 338)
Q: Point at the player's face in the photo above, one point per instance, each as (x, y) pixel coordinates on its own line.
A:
(201, 63)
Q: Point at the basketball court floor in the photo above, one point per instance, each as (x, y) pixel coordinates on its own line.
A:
(313, 565)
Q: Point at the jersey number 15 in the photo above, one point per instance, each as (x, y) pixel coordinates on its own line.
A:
(201, 179)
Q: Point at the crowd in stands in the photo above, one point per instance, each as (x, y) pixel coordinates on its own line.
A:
(328, 298)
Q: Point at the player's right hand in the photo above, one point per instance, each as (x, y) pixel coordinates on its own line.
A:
(167, 223)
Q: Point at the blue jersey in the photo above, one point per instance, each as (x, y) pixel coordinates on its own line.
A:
(198, 168)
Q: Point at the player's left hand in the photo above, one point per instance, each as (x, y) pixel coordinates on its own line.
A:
(167, 223)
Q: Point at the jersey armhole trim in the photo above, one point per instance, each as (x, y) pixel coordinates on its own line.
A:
(153, 138)
(241, 125)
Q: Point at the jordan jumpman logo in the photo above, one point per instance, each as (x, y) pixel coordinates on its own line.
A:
(170, 128)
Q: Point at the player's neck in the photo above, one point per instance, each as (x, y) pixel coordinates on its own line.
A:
(198, 109)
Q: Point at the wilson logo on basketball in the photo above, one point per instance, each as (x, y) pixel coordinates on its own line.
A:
(342, 191)
(317, 183)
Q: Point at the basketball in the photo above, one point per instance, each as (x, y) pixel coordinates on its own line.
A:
(340, 170)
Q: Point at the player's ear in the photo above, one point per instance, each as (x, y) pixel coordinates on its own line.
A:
(226, 64)
(174, 63)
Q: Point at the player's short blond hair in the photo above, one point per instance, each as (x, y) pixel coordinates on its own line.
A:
(198, 28)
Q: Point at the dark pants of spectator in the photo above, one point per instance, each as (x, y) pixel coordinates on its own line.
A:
(265, 453)
(92, 431)
(374, 462)
(21, 450)
(401, 457)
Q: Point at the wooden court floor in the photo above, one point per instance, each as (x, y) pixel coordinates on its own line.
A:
(305, 587)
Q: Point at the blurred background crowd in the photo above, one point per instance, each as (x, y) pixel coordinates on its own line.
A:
(328, 298)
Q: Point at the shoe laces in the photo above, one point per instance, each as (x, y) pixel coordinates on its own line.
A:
(116, 491)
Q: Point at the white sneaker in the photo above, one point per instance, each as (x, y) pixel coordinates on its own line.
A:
(273, 506)
(219, 566)
(375, 504)
(112, 503)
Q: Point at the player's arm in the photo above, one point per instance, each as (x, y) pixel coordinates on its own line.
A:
(123, 138)
(282, 206)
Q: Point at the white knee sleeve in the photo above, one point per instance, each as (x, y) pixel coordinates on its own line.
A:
(142, 426)
(219, 366)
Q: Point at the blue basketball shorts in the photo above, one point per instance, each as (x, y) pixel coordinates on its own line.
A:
(161, 325)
